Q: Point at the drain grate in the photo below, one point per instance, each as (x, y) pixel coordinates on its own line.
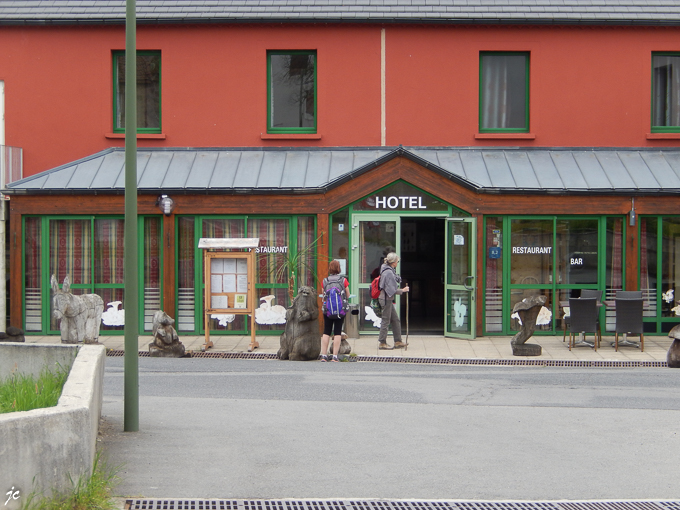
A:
(435, 361)
(221, 504)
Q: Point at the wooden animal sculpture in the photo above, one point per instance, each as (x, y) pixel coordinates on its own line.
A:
(79, 316)
(300, 340)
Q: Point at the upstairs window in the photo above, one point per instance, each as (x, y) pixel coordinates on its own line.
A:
(148, 92)
(291, 77)
(503, 92)
(666, 92)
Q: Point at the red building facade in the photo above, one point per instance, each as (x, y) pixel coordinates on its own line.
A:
(585, 86)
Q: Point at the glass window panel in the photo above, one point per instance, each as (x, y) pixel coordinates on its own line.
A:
(458, 317)
(376, 240)
(306, 243)
(670, 265)
(576, 252)
(108, 251)
(70, 251)
(111, 298)
(273, 250)
(531, 255)
(292, 90)
(666, 90)
(340, 236)
(33, 274)
(186, 299)
(148, 91)
(504, 91)
(648, 263)
(494, 275)
(152, 270)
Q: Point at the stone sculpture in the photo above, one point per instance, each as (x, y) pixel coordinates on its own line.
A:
(300, 340)
(673, 356)
(12, 335)
(166, 342)
(79, 316)
(345, 348)
(528, 310)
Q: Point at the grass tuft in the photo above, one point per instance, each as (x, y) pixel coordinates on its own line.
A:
(88, 493)
(21, 392)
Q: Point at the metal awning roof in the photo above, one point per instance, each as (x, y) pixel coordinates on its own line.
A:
(317, 170)
(606, 12)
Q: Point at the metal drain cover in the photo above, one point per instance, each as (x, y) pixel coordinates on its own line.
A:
(286, 504)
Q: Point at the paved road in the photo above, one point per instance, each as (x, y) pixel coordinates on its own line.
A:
(219, 428)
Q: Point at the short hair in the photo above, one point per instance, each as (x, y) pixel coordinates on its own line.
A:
(391, 258)
(334, 267)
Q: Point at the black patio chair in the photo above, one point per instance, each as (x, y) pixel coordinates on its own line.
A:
(583, 319)
(628, 294)
(589, 293)
(585, 293)
(629, 320)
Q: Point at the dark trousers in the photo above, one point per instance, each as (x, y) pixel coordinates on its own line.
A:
(390, 319)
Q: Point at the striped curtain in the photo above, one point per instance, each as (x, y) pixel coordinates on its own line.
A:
(223, 228)
(306, 236)
(70, 252)
(273, 233)
(152, 253)
(32, 253)
(617, 255)
(108, 251)
(186, 252)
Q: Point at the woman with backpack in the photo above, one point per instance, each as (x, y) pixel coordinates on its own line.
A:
(389, 287)
(334, 287)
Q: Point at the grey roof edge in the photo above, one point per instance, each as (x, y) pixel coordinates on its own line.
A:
(15, 188)
(557, 21)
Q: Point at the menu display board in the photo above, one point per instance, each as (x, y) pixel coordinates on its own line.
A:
(228, 283)
(229, 278)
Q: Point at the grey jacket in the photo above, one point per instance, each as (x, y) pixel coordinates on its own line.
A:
(389, 283)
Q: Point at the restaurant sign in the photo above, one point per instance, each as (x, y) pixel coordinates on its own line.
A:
(520, 250)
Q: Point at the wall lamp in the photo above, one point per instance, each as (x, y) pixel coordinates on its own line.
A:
(632, 215)
(166, 204)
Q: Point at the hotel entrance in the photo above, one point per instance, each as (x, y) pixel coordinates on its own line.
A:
(437, 253)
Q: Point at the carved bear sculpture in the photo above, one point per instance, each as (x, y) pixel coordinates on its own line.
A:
(300, 340)
(166, 342)
(79, 316)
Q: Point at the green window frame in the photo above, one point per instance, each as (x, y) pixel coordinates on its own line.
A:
(658, 272)
(610, 252)
(89, 249)
(291, 91)
(503, 92)
(665, 109)
(272, 267)
(148, 92)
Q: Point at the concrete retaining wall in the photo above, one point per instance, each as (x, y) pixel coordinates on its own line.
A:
(31, 359)
(41, 448)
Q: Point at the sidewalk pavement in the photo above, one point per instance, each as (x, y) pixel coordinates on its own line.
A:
(420, 346)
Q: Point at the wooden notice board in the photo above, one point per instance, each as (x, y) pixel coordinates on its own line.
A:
(229, 281)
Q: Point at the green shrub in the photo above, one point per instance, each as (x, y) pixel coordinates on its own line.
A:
(21, 392)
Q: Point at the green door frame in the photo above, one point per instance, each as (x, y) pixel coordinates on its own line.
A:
(466, 285)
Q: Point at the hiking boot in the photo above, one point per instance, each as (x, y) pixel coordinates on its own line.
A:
(323, 358)
(399, 345)
(384, 346)
(335, 359)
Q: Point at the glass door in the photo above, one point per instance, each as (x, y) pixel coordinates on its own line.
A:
(461, 282)
(373, 236)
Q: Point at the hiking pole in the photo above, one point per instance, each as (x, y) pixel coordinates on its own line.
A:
(406, 346)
